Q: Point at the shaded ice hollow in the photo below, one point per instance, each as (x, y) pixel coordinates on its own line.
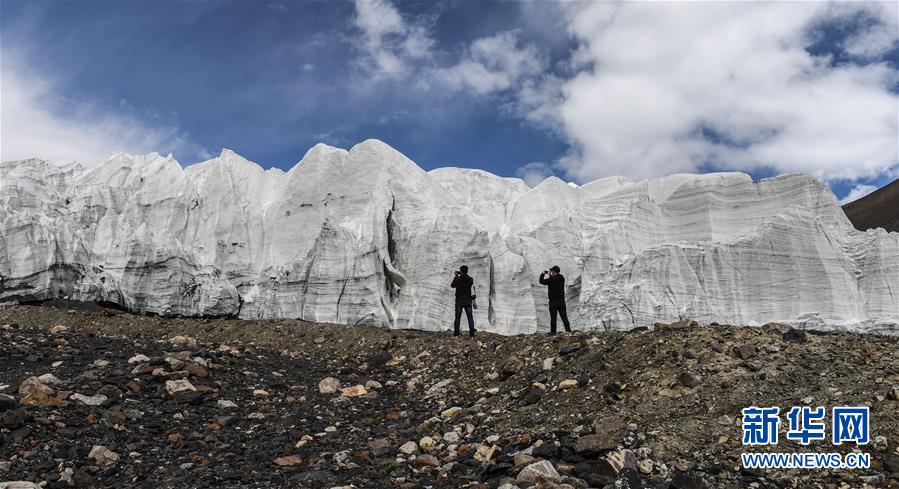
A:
(365, 236)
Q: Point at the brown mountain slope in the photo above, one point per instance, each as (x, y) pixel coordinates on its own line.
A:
(879, 209)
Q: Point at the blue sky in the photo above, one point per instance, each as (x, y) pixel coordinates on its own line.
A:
(518, 89)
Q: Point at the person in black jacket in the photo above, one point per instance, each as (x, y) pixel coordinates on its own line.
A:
(463, 284)
(556, 288)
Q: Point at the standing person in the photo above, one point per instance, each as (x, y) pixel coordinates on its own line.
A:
(556, 289)
(463, 284)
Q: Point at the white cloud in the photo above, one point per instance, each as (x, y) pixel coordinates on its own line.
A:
(857, 192)
(533, 173)
(388, 42)
(38, 122)
(399, 49)
(678, 87)
(492, 64)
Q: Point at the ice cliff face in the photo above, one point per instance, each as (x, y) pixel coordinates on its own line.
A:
(367, 237)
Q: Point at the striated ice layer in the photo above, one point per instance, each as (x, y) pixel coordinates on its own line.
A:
(367, 237)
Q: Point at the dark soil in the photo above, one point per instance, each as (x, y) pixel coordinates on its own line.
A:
(627, 398)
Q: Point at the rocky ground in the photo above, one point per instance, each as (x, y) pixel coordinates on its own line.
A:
(98, 398)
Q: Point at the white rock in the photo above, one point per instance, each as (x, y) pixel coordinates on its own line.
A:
(548, 363)
(451, 437)
(539, 470)
(409, 448)
(19, 485)
(180, 340)
(349, 237)
(175, 386)
(94, 400)
(139, 358)
(328, 385)
(103, 456)
(49, 379)
(225, 404)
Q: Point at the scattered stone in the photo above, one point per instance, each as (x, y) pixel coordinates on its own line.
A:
(183, 341)
(568, 383)
(175, 386)
(288, 461)
(409, 448)
(510, 367)
(684, 324)
(542, 471)
(94, 400)
(451, 437)
(891, 464)
(568, 350)
(893, 393)
(451, 412)
(793, 335)
(535, 394)
(427, 444)
(438, 386)
(688, 480)
(354, 391)
(8, 402)
(427, 460)
(725, 420)
(103, 456)
(745, 352)
(49, 379)
(59, 328)
(549, 363)
(225, 404)
(328, 385)
(689, 379)
(41, 397)
(379, 447)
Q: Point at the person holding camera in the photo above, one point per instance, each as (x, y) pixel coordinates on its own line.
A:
(555, 283)
(463, 285)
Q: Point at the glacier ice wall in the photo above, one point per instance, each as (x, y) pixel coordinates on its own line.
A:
(365, 236)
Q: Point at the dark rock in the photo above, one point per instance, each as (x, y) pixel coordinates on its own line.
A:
(13, 418)
(595, 443)
(891, 464)
(745, 352)
(688, 480)
(379, 447)
(510, 367)
(683, 324)
(546, 450)
(8, 402)
(534, 396)
(689, 379)
(188, 397)
(794, 336)
(628, 478)
(583, 380)
(568, 350)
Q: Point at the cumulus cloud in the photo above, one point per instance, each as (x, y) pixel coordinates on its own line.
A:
(666, 87)
(493, 64)
(857, 192)
(388, 43)
(393, 47)
(38, 122)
